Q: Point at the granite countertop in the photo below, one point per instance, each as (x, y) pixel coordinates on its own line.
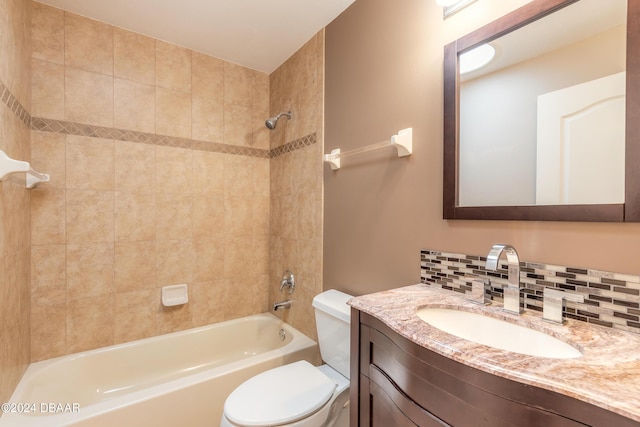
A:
(607, 375)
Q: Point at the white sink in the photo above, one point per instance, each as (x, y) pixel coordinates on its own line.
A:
(497, 333)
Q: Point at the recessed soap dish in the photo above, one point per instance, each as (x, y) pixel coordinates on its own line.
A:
(175, 295)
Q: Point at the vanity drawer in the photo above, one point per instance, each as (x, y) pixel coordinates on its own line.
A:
(389, 406)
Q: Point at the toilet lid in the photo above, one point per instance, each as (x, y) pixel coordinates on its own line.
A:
(278, 396)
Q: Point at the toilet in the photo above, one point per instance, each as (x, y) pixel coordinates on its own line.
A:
(300, 394)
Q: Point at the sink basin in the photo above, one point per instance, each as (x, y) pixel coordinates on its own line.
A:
(497, 333)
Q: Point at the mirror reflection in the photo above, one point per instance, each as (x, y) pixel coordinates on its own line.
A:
(543, 121)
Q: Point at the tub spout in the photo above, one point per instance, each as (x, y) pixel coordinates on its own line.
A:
(282, 304)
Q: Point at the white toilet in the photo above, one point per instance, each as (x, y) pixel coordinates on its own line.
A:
(300, 394)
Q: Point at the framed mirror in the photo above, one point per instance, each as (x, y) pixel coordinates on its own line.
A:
(548, 128)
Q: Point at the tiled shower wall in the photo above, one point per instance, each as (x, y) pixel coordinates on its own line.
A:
(14, 197)
(168, 184)
(610, 299)
(296, 181)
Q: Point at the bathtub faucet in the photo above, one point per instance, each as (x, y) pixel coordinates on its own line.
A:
(282, 304)
(288, 281)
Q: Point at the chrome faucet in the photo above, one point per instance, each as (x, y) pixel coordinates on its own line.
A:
(282, 304)
(288, 281)
(511, 291)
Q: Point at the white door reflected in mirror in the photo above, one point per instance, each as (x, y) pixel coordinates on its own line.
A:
(580, 143)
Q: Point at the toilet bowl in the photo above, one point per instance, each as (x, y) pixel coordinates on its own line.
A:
(300, 394)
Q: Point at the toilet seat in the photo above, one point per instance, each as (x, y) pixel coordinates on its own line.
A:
(279, 396)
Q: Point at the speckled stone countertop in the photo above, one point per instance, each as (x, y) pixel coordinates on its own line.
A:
(607, 375)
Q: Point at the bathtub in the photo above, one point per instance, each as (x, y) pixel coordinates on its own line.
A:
(179, 379)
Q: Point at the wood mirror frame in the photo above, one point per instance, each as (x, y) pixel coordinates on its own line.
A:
(628, 211)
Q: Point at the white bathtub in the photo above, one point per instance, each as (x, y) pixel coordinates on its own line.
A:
(179, 379)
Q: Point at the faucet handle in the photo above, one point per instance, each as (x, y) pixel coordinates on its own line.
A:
(478, 293)
(553, 301)
(288, 280)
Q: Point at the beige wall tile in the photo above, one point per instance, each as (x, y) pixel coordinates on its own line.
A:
(134, 56)
(90, 323)
(260, 111)
(238, 255)
(174, 170)
(173, 67)
(237, 85)
(47, 90)
(261, 174)
(260, 92)
(209, 264)
(172, 319)
(261, 217)
(174, 262)
(173, 216)
(259, 133)
(16, 291)
(48, 153)
(208, 98)
(48, 274)
(256, 299)
(89, 270)
(89, 216)
(208, 216)
(207, 302)
(135, 315)
(237, 125)
(135, 217)
(306, 224)
(88, 97)
(135, 167)
(259, 247)
(88, 44)
(48, 330)
(208, 172)
(238, 215)
(134, 106)
(15, 48)
(208, 118)
(135, 266)
(47, 33)
(296, 181)
(238, 176)
(15, 224)
(173, 113)
(48, 216)
(92, 161)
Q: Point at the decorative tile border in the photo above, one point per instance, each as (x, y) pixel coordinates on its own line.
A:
(14, 105)
(299, 143)
(71, 128)
(59, 126)
(610, 299)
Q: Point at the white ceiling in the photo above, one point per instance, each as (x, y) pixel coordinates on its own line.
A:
(258, 34)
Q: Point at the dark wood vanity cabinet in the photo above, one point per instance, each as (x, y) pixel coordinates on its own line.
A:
(395, 382)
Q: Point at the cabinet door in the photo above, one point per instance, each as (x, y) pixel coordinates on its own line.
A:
(389, 406)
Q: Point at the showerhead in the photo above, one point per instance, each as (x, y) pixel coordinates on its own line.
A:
(272, 121)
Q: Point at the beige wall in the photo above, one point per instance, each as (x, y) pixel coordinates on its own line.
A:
(14, 197)
(384, 73)
(296, 181)
(121, 219)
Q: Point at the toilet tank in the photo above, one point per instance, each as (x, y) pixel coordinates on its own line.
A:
(332, 323)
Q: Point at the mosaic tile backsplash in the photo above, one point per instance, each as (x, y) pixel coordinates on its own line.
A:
(610, 299)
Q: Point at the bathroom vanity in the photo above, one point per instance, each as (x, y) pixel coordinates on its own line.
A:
(406, 372)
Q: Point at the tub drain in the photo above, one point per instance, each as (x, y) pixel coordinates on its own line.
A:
(283, 335)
